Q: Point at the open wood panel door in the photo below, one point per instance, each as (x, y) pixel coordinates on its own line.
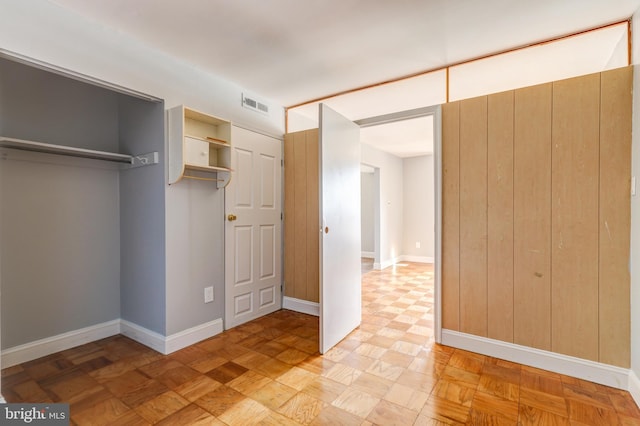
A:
(340, 280)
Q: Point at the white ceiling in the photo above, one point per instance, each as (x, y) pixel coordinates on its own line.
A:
(406, 138)
(293, 51)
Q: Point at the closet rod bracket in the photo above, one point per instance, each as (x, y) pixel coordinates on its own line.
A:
(144, 159)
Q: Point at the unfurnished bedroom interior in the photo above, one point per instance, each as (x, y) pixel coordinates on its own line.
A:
(319, 213)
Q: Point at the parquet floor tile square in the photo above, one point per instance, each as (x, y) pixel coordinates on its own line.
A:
(268, 371)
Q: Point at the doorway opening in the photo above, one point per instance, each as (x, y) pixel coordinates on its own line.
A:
(370, 217)
(401, 182)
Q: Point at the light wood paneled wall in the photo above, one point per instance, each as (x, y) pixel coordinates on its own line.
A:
(473, 216)
(301, 216)
(532, 217)
(500, 120)
(574, 216)
(615, 219)
(451, 218)
(536, 216)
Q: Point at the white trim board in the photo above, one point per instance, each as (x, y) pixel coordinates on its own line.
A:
(174, 342)
(143, 335)
(188, 337)
(416, 259)
(368, 255)
(634, 387)
(603, 374)
(302, 306)
(164, 345)
(386, 263)
(43, 347)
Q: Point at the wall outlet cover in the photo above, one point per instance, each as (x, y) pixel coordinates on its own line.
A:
(208, 294)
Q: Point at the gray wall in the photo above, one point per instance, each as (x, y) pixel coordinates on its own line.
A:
(43, 30)
(389, 203)
(418, 213)
(60, 221)
(195, 223)
(142, 218)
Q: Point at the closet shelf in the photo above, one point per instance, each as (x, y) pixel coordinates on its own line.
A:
(131, 160)
(199, 146)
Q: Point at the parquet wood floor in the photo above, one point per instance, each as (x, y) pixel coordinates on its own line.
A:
(268, 372)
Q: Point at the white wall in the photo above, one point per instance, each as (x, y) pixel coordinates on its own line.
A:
(41, 30)
(634, 264)
(391, 202)
(367, 211)
(418, 212)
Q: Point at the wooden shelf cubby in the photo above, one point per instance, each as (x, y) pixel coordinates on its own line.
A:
(199, 146)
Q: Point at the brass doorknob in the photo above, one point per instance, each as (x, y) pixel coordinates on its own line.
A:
(231, 217)
(326, 229)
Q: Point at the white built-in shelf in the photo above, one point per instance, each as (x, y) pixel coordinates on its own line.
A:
(199, 146)
(70, 151)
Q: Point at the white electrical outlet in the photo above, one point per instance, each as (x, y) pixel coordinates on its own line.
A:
(417, 244)
(208, 294)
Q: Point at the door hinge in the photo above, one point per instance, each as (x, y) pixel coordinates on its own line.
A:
(281, 163)
(281, 216)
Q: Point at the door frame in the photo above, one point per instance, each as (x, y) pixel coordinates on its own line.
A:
(436, 112)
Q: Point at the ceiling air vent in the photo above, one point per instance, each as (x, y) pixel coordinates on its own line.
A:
(255, 105)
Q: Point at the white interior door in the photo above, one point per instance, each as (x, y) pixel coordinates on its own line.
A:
(253, 228)
(340, 285)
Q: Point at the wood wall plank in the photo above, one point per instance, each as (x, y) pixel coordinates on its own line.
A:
(532, 216)
(300, 215)
(313, 217)
(301, 220)
(473, 216)
(500, 216)
(450, 216)
(570, 216)
(574, 225)
(614, 227)
(289, 208)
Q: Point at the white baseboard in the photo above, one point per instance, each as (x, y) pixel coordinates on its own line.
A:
(43, 347)
(151, 339)
(402, 258)
(174, 342)
(302, 306)
(634, 387)
(416, 259)
(386, 263)
(164, 345)
(603, 374)
(368, 254)
(193, 335)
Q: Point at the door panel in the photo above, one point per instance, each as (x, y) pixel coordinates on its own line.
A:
(243, 177)
(340, 292)
(244, 251)
(253, 274)
(267, 251)
(267, 183)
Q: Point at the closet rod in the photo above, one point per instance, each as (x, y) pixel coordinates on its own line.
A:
(47, 148)
(70, 151)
